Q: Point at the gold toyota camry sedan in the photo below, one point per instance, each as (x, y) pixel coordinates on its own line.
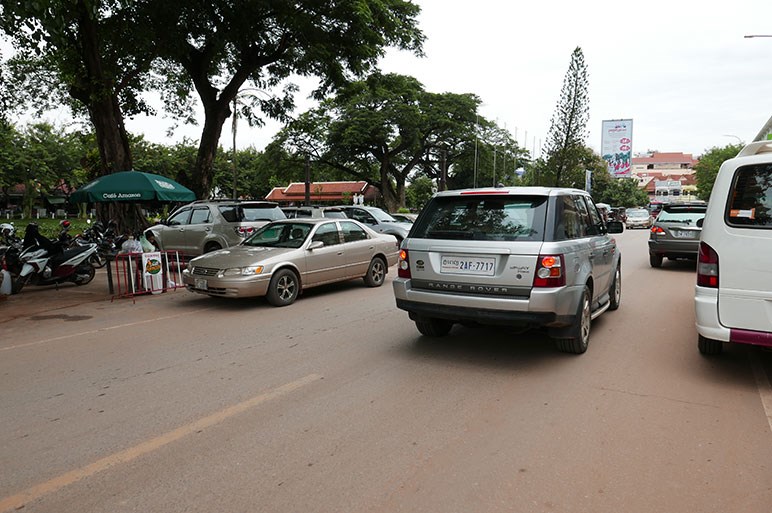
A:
(284, 257)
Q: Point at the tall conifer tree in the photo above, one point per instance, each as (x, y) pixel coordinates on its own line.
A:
(568, 126)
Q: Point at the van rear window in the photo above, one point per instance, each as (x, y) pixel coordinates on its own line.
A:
(750, 201)
(479, 217)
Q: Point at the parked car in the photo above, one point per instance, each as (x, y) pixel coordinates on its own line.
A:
(405, 218)
(378, 220)
(209, 225)
(676, 232)
(285, 257)
(313, 211)
(520, 256)
(733, 295)
(638, 218)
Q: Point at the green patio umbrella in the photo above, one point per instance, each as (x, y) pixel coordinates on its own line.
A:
(132, 186)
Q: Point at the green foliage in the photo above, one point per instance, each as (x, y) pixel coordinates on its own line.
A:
(565, 142)
(418, 193)
(383, 129)
(706, 170)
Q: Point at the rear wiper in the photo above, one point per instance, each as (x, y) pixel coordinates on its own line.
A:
(449, 234)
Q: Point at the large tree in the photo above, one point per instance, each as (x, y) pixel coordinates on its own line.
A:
(384, 128)
(706, 170)
(221, 47)
(567, 133)
(76, 53)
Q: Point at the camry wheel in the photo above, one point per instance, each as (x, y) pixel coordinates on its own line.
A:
(579, 333)
(283, 289)
(655, 260)
(376, 273)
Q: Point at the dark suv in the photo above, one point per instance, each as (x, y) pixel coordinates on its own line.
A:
(518, 256)
(208, 225)
(676, 232)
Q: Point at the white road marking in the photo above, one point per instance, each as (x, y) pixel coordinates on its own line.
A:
(19, 500)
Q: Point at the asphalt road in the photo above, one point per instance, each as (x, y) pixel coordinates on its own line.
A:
(179, 402)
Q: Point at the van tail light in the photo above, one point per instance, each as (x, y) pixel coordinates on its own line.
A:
(657, 229)
(403, 265)
(550, 271)
(707, 267)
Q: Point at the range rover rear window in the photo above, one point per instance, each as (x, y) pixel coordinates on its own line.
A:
(480, 217)
(750, 200)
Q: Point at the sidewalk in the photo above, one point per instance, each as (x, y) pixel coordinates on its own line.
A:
(33, 300)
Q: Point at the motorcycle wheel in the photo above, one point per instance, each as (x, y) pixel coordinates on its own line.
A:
(98, 260)
(84, 274)
(17, 283)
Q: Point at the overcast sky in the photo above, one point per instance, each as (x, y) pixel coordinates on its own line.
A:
(681, 70)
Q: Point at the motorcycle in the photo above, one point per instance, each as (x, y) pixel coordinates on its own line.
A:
(107, 239)
(42, 261)
(8, 238)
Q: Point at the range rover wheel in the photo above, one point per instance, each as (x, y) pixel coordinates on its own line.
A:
(615, 294)
(433, 327)
(579, 333)
(655, 260)
(376, 273)
(708, 346)
(283, 289)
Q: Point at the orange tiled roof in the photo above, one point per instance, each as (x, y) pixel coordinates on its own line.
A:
(666, 158)
(320, 191)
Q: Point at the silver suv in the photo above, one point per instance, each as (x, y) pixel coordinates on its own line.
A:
(208, 225)
(520, 256)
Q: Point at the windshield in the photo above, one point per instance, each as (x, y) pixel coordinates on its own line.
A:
(687, 218)
(279, 235)
(381, 216)
(483, 218)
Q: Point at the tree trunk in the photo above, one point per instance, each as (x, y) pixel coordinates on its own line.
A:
(97, 92)
(216, 114)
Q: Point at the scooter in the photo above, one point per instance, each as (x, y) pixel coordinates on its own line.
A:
(45, 262)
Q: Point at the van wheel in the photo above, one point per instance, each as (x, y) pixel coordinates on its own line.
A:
(283, 289)
(433, 327)
(708, 346)
(655, 260)
(579, 333)
(615, 294)
(376, 273)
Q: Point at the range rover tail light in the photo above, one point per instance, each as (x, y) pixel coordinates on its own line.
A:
(403, 265)
(550, 271)
(707, 267)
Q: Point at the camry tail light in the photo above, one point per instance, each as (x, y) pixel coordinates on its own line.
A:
(550, 271)
(403, 265)
(707, 267)
(657, 229)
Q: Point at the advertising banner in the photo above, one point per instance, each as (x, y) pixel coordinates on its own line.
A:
(617, 146)
(152, 277)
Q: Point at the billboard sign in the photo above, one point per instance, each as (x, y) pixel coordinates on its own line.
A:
(617, 146)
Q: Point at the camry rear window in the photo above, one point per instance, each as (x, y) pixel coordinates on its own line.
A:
(481, 217)
(750, 201)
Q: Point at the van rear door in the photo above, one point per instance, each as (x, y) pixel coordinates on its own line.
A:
(745, 265)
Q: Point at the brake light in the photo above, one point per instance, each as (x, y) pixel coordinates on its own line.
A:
(550, 271)
(244, 231)
(707, 267)
(403, 265)
(657, 229)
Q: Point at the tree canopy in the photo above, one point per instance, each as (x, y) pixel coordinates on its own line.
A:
(706, 170)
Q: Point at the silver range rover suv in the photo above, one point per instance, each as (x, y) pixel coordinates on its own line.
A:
(518, 256)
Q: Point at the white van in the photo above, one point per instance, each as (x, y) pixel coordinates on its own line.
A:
(733, 295)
